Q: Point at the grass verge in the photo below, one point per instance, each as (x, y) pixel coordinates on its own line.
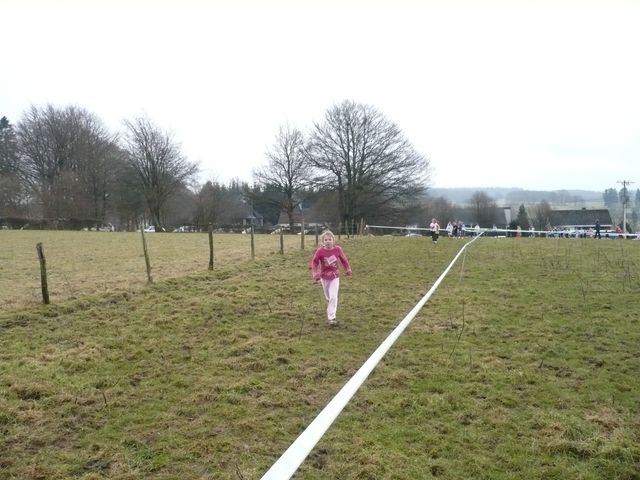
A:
(524, 364)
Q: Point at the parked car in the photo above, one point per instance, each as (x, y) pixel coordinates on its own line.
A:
(150, 229)
(187, 228)
(105, 227)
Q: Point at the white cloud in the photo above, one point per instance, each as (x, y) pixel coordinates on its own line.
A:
(536, 96)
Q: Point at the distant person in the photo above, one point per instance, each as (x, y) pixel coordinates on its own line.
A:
(598, 229)
(325, 268)
(449, 229)
(435, 230)
(619, 232)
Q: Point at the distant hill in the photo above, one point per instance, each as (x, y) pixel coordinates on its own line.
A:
(510, 196)
(462, 195)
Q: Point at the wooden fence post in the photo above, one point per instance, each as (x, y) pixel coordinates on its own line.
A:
(316, 235)
(302, 235)
(210, 247)
(43, 274)
(146, 256)
(281, 242)
(253, 246)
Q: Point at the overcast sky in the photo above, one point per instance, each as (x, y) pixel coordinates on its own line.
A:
(501, 94)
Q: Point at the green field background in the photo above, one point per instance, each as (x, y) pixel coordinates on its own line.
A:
(524, 364)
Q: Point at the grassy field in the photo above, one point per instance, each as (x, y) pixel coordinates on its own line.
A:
(86, 263)
(524, 364)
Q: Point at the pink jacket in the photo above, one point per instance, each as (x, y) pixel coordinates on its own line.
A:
(324, 263)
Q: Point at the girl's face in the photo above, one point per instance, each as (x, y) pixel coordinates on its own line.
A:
(327, 241)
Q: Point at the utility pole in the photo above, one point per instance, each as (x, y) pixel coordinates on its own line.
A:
(625, 200)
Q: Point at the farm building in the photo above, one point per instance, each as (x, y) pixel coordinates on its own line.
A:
(253, 218)
(581, 219)
(310, 216)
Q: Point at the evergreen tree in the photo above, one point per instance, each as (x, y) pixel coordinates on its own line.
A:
(266, 201)
(11, 187)
(522, 219)
(8, 147)
(610, 197)
(624, 196)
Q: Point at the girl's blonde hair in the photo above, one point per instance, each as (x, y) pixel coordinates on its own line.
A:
(328, 233)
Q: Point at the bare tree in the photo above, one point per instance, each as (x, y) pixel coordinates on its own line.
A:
(287, 171)
(540, 215)
(484, 208)
(440, 208)
(366, 159)
(126, 196)
(210, 204)
(160, 167)
(64, 159)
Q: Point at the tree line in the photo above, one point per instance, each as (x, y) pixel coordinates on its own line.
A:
(62, 168)
(617, 201)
